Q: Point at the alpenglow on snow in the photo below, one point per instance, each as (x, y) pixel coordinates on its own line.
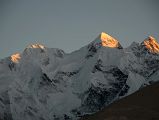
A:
(48, 84)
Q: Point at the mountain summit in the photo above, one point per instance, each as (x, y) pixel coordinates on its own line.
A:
(36, 46)
(106, 40)
(15, 57)
(151, 44)
(48, 84)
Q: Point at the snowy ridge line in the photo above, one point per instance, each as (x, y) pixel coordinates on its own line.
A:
(48, 84)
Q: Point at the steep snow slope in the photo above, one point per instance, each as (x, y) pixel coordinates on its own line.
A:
(45, 83)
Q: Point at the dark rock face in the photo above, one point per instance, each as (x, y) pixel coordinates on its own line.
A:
(46, 78)
(148, 60)
(132, 107)
(97, 97)
(60, 53)
(92, 49)
(50, 84)
(61, 76)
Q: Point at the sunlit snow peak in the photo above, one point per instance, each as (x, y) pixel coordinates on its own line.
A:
(151, 44)
(36, 46)
(15, 57)
(108, 41)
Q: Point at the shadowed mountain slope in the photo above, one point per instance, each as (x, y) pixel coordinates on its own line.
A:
(142, 105)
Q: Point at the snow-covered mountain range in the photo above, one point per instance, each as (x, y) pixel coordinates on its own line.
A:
(48, 84)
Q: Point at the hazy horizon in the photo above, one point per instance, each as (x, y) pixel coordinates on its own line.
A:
(70, 25)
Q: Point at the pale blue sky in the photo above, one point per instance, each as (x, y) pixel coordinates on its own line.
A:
(71, 24)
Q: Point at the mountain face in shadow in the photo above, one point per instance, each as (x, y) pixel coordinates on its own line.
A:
(142, 105)
(48, 84)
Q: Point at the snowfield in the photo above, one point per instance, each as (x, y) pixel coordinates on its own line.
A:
(48, 84)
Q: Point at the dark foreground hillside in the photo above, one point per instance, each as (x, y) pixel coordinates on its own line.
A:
(142, 105)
